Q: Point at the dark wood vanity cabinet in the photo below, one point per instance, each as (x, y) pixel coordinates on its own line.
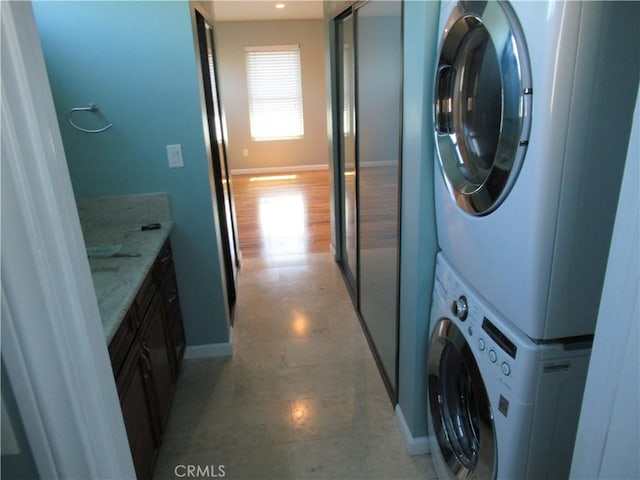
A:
(146, 352)
(165, 275)
(157, 353)
(137, 400)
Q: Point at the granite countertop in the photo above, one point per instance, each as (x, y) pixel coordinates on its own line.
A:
(117, 279)
(116, 221)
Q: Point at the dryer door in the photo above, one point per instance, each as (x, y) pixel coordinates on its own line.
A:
(459, 406)
(482, 104)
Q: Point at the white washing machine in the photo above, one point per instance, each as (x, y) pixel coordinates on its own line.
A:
(500, 405)
(532, 113)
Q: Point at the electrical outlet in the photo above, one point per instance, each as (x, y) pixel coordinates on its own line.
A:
(174, 153)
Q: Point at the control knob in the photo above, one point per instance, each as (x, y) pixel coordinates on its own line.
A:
(460, 308)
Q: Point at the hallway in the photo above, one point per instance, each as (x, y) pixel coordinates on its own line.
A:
(302, 396)
(283, 214)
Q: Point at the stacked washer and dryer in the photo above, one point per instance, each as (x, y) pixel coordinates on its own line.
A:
(532, 113)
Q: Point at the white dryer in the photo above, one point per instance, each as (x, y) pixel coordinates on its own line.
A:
(532, 113)
(500, 405)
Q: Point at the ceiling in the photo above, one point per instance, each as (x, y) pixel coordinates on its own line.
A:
(237, 10)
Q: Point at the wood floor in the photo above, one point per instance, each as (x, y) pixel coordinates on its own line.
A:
(282, 216)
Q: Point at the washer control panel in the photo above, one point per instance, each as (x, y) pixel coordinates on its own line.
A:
(460, 308)
(490, 345)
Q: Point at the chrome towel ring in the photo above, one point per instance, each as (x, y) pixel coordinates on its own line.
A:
(91, 108)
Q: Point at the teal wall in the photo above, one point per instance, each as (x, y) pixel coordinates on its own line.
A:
(419, 240)
(137, 62)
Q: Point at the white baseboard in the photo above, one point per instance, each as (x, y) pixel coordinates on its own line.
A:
(210, 349)
(284, 169)
(415, 446)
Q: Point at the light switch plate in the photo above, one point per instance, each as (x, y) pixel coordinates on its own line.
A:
(174, 153)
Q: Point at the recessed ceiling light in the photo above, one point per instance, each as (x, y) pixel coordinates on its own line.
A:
(280, 5)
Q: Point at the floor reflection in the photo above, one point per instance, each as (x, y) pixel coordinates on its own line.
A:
(299, 413)
(283, 215)
(282, 224)
(300, 325)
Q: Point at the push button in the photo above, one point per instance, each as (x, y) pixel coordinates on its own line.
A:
(506, 369)
(481, 344)
(493, 356)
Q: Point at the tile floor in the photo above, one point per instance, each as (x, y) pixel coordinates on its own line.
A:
(301, 397)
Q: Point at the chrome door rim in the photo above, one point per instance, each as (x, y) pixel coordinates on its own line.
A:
(492, 29)
(460, 419)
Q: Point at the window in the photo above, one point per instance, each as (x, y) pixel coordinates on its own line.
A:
(275, 92)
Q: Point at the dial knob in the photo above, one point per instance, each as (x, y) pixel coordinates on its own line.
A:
(460, 308)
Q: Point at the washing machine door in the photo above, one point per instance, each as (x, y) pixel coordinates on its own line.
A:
(459, 406)
(482, 104)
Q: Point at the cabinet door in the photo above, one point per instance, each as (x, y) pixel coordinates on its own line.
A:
(171, 302)
(137, 411)
(166, 277)
(122, 341)
(176, 334)
(156, 348)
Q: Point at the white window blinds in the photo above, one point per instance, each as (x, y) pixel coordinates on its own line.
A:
(274, 83)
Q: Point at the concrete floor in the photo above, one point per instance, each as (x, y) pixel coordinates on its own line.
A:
(301, 398)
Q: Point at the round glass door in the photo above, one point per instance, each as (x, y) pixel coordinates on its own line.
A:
(459, 405)
(482, 104)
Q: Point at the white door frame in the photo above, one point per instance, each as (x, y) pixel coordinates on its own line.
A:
(608, 437)
(52, 340)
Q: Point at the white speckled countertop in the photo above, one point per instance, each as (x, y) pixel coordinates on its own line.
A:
(108, 221)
